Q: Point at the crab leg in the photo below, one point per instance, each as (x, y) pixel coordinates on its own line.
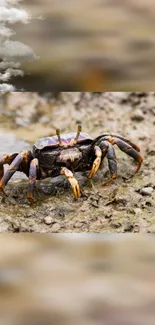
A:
(6, 159)
(13, 168)
(97, 162)
(105, 149)
(129, 150)
(74, 183)
(126, 140)
(112, 162)
(32, 179)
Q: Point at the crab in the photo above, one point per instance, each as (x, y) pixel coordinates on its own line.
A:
(66, 154)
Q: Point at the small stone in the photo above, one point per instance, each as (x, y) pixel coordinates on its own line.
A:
(137, 116)
(44, 120)
(116, 224)
(4, 226)
(83, 209)
(146, 190)
(121, 200)
(55, 227)
(79, 224)
(137, 211)
(59, 214)
(95, 204)
(108, 215)
(48, 220)
(21, 122)
(128, 227)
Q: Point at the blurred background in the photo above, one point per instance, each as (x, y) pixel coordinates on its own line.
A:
(90, 45)
(77, 279)
(126, 205)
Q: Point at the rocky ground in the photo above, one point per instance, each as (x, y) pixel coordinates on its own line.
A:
(127, 205)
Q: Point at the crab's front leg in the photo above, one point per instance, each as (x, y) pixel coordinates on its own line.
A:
(96, 163)
(34, 165)
(24, 155)
(104, 149)
(74, 183)
(100, 153)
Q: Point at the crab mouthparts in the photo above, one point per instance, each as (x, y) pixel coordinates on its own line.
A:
(70, 155)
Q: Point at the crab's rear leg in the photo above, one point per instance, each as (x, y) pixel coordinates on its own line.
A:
(127, 141)
(6, 159)
(129, 150)
(34, 165)
(112, 163)
(74, 183)
(13, 168)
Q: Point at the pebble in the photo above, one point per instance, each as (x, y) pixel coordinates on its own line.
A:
(4, 226)
(116, 224)
(44, 120)
(21, 122)
(48, 220)
(128, 226)
(137, 211)
(146, 190)
(137, 116)
(55, 227)
(79, 224)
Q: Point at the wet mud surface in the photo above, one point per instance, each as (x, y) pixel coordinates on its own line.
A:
(126, 205)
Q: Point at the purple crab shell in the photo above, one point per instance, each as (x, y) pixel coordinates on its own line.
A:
(66, 139)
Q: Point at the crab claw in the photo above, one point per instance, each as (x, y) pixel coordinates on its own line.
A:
(95, 167)
(96, 163)
(74, 183)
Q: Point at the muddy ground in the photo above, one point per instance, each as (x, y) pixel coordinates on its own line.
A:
(126, 205)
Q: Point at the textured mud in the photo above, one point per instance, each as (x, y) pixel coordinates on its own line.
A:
(127, 205)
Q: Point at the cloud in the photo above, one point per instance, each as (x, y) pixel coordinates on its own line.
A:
(6, 88)
(6, 32)
(12, 53)
(16, 50)
(10, 73)
(4, 65)
(7, 3)
(13, 15)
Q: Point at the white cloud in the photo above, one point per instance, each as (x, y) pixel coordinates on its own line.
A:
(6, 88)
(13, 15)
(6, 3)
(4, 65)
(5, 32)
(16, 50)
(12, 53)
(10, 73)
